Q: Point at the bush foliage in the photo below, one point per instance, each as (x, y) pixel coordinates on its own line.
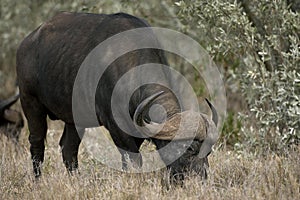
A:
(263, 38)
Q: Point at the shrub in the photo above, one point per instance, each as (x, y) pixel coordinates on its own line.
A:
(263, 37)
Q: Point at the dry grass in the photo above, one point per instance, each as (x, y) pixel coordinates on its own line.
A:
(231, 176)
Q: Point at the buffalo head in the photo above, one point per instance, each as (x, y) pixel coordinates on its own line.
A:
(189, 135)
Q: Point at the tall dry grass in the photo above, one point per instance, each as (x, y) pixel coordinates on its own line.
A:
(231, 176)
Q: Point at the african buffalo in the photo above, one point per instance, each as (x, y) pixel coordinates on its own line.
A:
(11, 121)
(48, 60)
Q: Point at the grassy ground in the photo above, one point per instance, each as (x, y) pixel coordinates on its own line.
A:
(231, 176)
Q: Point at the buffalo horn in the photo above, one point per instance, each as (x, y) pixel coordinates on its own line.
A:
(212, 133)
(142, 109)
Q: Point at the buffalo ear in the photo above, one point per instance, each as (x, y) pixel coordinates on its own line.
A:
(206, 148)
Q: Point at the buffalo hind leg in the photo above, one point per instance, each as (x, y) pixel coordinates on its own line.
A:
(36, 116)
(69, 143)
(37, 145)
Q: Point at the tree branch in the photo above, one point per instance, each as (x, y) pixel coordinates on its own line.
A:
(262, 31)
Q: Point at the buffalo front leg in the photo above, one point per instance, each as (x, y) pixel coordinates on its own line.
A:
(134, 157)
(128, 147)
(69, 143)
